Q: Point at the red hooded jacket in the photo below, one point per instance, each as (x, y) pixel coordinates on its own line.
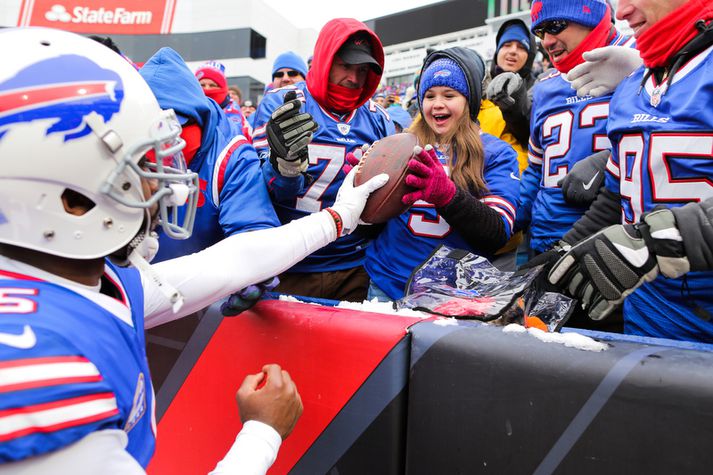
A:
(333, 35)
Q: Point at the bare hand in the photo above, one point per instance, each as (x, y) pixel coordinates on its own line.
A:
(277, 403)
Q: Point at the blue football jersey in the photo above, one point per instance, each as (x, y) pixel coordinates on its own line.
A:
(410, 238)
(564, 129)
(294, 198)
(662, 155)
(72, 362)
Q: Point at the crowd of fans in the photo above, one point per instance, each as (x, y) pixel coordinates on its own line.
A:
(596, 169)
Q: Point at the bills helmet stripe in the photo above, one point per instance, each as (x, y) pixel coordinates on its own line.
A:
(66, 89)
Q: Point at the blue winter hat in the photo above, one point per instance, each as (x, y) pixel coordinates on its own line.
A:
(290, 60)
(400, 116)
(443, 72)
(585, 12)
(515, 32)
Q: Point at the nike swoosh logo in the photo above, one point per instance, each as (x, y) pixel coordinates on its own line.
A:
(514, 177)
(588, 185)
(23, 341)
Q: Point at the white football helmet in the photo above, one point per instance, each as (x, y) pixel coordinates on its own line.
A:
(75, 115)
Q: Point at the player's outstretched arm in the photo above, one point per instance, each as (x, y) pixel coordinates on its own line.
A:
(248, 258)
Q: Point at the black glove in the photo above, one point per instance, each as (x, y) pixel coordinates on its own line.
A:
(603, 269)
(507, 90)
(247, 297)
(581, 185)
(548, 258)
(288, 134)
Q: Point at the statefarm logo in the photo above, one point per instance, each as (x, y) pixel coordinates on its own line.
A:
(89, 16)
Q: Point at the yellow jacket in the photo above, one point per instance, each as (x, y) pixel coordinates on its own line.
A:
(491, 121)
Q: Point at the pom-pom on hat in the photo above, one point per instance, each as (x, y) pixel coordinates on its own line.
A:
(585, 12)
(443, 72)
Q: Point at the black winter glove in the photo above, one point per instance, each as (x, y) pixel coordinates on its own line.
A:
(288, 134)
(545, 260)
(548, 258)
(603, 269)
(581, 185)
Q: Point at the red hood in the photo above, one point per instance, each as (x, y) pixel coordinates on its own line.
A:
(333, 35)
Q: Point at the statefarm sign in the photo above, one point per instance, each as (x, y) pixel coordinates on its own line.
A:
(127, 17)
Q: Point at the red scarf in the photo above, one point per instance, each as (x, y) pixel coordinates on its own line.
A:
(343, 99)
(599, 37)
(218, 94)
(192, 134)
(667, 36)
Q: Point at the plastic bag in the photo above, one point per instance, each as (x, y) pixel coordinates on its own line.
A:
(460, 284)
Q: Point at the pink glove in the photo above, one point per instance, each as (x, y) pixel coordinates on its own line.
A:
(352, 158)
(429, 178)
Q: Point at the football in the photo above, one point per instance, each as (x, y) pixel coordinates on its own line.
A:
(389, 155)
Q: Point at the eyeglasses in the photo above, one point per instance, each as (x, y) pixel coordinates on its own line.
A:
(553, 27)
(280, 74)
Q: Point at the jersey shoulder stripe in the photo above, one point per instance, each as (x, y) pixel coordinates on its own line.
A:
(56, 415)
(30, 373)
(221, 164)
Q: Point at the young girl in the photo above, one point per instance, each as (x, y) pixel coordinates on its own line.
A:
(466, 182)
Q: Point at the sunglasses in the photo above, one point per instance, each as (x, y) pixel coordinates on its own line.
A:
(291, 74)
(553, 27)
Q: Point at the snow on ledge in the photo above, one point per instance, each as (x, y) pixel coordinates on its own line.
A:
(373, 306)
(571, 339)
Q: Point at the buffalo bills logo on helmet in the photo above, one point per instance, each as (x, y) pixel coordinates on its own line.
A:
(63, 90)
(443, 73)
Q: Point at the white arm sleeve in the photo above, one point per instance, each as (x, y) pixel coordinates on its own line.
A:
(99, 452)
(253, 452)
(234, 263)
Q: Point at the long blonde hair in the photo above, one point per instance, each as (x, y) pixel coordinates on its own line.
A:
(465, 142)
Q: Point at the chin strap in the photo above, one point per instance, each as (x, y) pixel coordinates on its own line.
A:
(142, 253)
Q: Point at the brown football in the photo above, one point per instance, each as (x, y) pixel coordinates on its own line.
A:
(389, 155)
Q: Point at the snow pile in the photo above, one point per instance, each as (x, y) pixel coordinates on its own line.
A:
(373, 306)
(445, 322)
(571, 339)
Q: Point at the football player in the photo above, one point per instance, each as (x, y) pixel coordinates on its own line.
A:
(89, 165)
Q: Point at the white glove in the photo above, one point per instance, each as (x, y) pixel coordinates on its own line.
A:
(351, 199)
(603, 70)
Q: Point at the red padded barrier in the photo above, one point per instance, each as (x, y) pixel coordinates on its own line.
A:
(329, 353)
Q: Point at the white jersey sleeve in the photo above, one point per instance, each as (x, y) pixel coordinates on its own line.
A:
(99, 452)
(253, 452)
(234, 263)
